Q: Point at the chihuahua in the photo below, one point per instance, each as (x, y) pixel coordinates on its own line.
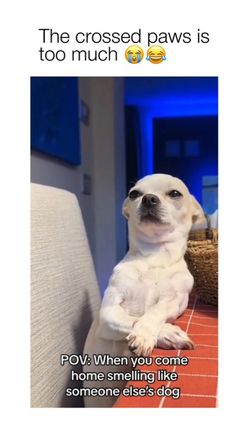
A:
(150, 287)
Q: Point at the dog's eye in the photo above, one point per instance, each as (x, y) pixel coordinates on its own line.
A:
(174, 194)
(134, 194)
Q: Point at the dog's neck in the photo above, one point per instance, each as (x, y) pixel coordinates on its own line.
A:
(165, 252)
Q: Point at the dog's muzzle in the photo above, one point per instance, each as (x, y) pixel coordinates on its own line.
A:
(150, 209)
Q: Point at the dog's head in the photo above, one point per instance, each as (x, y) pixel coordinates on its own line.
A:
(160, 206)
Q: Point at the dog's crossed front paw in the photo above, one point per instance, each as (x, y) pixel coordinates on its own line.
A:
(141, 340)
(172, 337)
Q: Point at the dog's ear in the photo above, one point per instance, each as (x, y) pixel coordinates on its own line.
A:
(125, 210)
(198, 216)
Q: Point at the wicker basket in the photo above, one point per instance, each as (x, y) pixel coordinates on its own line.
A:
(202, 260)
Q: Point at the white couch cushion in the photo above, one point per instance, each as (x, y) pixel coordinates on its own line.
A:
(64, 292)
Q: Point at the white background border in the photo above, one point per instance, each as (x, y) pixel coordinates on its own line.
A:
(20, 42)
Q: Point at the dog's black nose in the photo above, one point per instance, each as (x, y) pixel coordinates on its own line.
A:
(150, 200)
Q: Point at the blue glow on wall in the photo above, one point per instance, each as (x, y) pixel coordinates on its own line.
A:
(166, 97)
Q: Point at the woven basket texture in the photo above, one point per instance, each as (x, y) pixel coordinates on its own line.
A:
(202, 260)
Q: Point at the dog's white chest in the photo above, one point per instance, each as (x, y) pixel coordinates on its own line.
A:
(142, 282)
(143, 291)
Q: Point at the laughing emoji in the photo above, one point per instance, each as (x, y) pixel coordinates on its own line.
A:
(156, 54)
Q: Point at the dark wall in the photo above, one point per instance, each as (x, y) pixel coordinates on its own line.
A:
(187, 147)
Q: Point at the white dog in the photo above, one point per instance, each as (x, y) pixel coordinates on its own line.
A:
(150, 287)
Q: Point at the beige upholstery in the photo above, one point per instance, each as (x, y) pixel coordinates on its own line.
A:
(64, 293)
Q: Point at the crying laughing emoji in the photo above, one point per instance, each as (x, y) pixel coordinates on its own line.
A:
(156, 54)
(134, 54)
